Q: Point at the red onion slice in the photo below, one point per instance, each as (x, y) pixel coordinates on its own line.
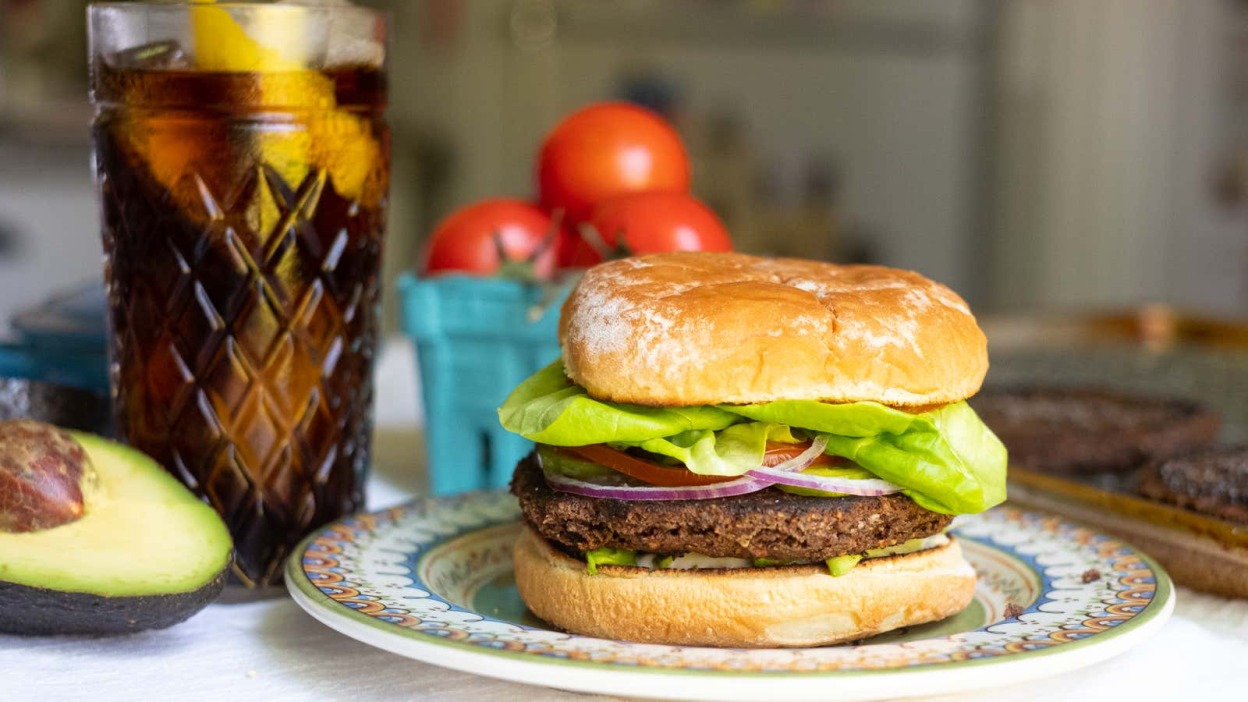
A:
(740, 486)
(869, 487)
(805, 458)
(786, 473)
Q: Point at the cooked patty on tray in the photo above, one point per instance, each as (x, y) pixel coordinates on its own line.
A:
(1075, 431)
(1214, 482)
(767, 524)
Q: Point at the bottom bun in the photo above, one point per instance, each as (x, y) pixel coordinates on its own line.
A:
(745, 607)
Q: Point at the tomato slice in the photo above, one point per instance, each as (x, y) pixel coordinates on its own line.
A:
(664, 476)
(778, 452)
(640, 469)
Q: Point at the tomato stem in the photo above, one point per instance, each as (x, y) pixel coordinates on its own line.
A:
(525, 269)
(606, 252)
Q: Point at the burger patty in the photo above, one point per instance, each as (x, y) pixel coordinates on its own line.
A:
(1079, 431)
(1214, 482)
(769, 523)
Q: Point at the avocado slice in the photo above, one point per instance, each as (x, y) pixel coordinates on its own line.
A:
(144, 554)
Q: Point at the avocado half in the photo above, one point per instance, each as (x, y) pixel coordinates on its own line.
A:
(145, 554)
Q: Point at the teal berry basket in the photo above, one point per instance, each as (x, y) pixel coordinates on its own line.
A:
(476, 339)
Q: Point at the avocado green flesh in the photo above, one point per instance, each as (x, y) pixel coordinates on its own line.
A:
(142, 534)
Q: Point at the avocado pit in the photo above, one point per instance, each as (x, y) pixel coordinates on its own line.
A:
(44, 475)
(97, 538)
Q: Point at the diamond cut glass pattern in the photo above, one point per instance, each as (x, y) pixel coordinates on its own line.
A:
(244, 301)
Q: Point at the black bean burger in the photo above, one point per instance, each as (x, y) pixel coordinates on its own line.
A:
(741, 451)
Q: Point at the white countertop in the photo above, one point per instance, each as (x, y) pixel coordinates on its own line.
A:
(272, 651)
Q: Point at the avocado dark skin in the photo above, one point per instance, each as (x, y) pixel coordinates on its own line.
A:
(96, 538)
(35, 611)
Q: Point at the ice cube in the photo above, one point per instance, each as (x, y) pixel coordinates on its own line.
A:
(158, 56)
(353, 37)
(353, 51)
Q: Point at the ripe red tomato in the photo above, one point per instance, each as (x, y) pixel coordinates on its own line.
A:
(468, 240)
(651, 223)
(605, 150)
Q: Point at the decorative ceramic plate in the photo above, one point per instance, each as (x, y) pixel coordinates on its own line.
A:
(432, 580)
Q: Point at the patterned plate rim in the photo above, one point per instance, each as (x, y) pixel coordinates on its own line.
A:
(399, 639)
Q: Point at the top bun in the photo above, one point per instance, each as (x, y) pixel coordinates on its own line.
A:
(706, 328)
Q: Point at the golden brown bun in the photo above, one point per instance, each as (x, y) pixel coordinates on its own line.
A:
(750, 607)
(704, 328)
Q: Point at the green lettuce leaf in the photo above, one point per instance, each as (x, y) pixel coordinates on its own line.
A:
(732, 451)
(947, 460)
(849, 419)
(956, 465)
(548, 409)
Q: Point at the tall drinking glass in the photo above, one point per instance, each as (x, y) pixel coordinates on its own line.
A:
(243, 167)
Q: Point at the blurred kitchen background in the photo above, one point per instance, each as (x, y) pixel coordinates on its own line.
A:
(1033, 154)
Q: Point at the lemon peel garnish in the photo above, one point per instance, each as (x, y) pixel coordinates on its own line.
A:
(338, 141)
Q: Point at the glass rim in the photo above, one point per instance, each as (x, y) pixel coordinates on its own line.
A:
(115, 26)
(286, 5)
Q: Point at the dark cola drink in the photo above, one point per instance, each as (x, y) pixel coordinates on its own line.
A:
(242, 221)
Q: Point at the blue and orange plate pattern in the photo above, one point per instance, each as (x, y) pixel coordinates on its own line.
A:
(432, 580)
